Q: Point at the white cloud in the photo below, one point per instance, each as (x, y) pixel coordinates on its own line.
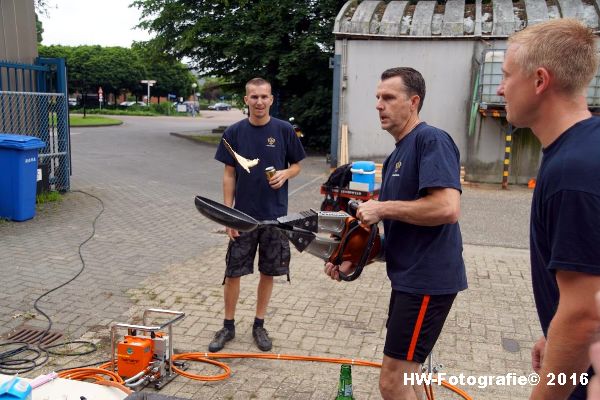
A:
(88, 22)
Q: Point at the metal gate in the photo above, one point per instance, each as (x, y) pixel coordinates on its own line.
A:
(34, 102)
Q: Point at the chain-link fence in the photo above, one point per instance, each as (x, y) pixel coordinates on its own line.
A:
(45, 116)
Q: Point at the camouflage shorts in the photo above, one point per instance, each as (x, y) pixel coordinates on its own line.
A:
(273, 253)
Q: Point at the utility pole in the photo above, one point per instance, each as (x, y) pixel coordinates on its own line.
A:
(194, 86)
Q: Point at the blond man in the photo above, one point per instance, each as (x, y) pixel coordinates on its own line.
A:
(547, 69)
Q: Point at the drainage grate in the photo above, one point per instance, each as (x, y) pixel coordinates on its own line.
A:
(33, 336)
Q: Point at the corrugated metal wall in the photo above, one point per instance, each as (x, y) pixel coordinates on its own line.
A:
(18, 39)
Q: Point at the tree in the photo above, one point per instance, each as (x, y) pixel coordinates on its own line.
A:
(215, 88)
(119, 70)
(39, 29)
(288, 42)
(41, 6)
(115, 69)
(212, 88)
(171, 76)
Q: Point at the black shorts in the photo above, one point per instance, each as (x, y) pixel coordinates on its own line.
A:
(273, 253)
(414, 324)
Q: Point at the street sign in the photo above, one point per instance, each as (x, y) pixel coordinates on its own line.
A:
(149, 83)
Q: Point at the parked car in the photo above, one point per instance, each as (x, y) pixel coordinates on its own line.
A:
(220, 107)
(191, 106)
(132, 103)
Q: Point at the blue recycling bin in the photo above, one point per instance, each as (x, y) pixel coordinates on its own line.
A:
(18, 175)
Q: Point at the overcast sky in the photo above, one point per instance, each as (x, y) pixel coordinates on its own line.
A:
(103, 22)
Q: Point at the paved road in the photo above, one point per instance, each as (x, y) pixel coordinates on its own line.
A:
(151, 248)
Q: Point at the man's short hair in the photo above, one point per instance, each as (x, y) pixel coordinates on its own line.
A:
(257, 82)
(565, 47)
(413, 81)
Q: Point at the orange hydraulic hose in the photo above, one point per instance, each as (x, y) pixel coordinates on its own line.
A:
(292, 357)
(123, 388)
(200, 357)
(206, 357)
(96, 373)
(428, 391)
(90, 373)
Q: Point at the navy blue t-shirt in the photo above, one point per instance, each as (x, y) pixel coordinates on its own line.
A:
(422, 259)
(565, 216)
(274, 144)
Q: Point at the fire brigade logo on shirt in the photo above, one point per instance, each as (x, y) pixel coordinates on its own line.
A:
(397, 168)
(271, 142)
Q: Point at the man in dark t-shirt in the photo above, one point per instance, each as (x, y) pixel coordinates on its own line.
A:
(276, 145)
(547, 68)
(419, 204)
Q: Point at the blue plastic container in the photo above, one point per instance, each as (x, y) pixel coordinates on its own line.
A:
(15, 389)
(18, 175)
(364, 172)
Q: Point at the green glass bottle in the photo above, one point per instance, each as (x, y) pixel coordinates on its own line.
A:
(345, 388)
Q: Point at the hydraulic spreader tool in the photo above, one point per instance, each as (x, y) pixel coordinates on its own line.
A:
(347, 240)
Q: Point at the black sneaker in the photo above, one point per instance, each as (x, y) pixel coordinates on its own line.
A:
(262, 339)
(222, 336)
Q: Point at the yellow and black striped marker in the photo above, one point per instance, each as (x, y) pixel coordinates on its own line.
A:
(507, 151)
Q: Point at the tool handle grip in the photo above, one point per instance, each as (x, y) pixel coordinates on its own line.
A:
(363, 237)
(353, 207)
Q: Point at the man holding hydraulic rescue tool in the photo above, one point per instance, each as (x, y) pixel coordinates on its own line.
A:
(419, 204)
